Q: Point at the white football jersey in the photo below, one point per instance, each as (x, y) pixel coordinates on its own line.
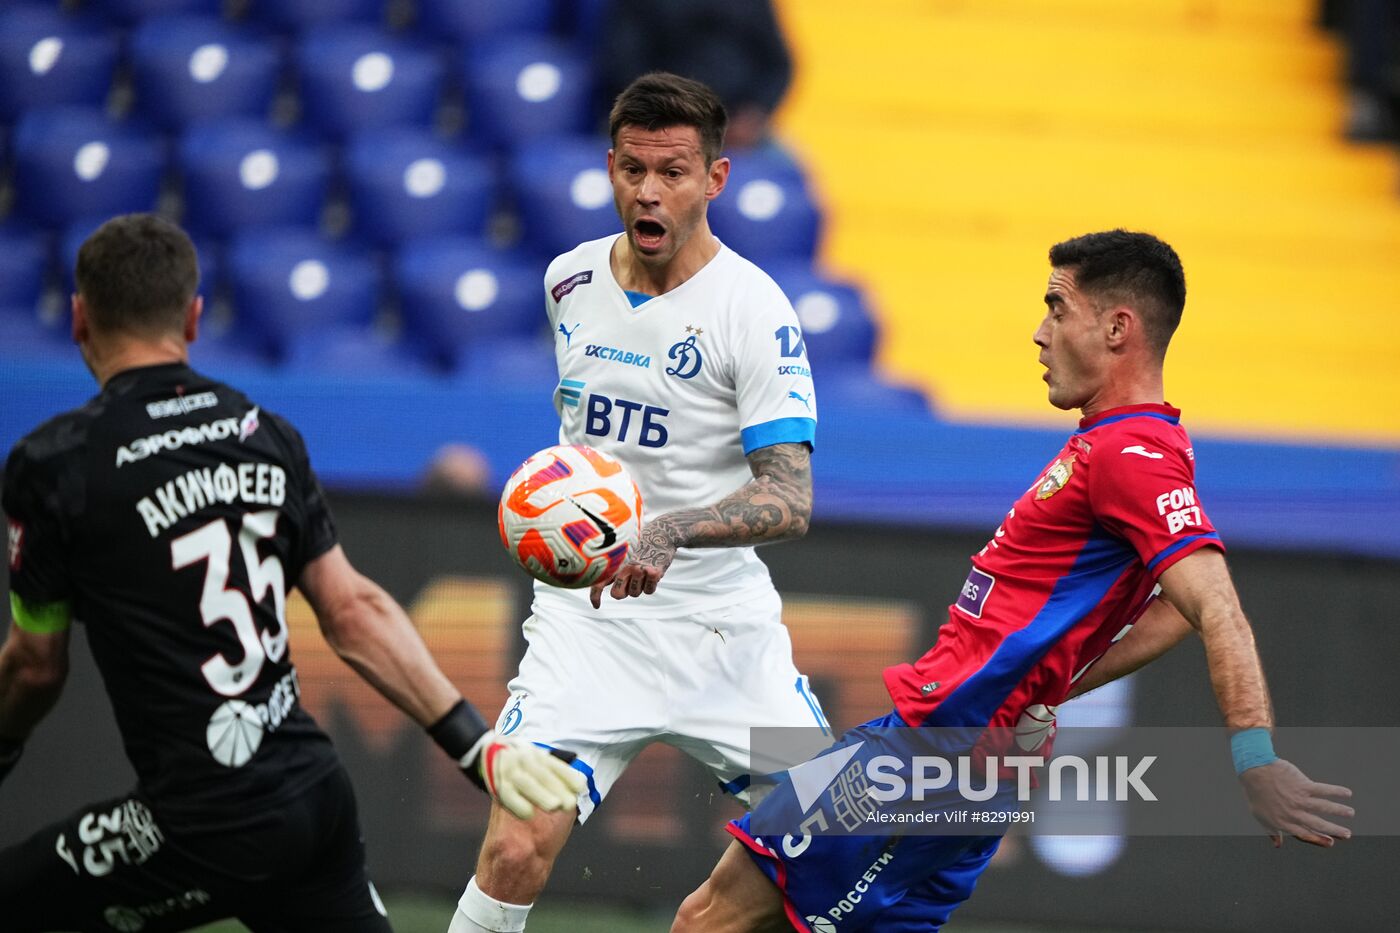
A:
(680, 388)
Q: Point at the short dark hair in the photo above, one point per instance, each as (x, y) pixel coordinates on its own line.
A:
(660, 100)
(137, 274)
(1119, 266)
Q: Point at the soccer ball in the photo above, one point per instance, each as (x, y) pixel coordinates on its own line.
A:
(569, 515)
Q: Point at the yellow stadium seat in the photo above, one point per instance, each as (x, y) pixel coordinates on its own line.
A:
(953, 142)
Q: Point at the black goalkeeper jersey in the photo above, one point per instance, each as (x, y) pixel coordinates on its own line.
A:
(171, 514)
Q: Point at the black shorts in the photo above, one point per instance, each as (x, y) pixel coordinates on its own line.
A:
(112, 867)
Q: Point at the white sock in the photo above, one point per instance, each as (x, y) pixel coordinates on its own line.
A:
(479, 912)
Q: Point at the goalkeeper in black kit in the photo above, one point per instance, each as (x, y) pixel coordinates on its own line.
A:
(169, 515)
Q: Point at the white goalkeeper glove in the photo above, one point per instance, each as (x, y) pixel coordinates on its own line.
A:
(522, 776)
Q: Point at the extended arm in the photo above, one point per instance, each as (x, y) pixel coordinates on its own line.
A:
(1199, 586)
(1282, 798)
(372, 633)
(33, 668)
(1160, 629)
(776, 505)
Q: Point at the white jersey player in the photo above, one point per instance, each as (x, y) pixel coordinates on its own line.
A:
(681, 387)
(684, 361)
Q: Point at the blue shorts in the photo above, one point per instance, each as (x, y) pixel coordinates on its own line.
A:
(846, 882)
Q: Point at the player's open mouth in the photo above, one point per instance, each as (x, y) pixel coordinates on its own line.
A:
(648, 234)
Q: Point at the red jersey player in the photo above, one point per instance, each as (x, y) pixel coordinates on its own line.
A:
(1058, 602)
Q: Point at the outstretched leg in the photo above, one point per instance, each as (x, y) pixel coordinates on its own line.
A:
(736, 898)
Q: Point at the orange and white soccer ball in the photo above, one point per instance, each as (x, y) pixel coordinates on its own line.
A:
(569, 515)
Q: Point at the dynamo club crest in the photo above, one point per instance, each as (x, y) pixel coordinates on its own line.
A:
(687, 357)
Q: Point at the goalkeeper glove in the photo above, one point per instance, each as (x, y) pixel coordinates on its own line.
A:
(521, 775)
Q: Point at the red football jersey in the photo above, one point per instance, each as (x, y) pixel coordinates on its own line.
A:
(1068, 572)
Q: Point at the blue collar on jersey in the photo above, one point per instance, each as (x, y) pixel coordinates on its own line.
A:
(637, 298)
(1161, 412)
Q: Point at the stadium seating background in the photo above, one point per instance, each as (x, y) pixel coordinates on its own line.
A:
(945, 145)
(952, 151)
(942, 158)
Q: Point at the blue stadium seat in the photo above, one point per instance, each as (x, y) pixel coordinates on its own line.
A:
(187, 67)
(71, 163)
(857, 389)
(240, 173)
(286, 281)
(222, 347)
(406, 182)
(48, 59)
(522, 87)
(562, 192)
(343, 348)
(586, 20)
(24, 255)
(524, 364)
(457, 291)
(355, 77)
(836, 324)
(766, 213)
(766, 161)
(480, 21)
(295, 15)
(211, 266)
(27, 337)
(132, 11)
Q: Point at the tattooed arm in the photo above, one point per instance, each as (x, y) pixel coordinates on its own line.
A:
(776, 505)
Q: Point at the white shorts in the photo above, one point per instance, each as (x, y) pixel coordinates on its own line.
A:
(605, 689)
